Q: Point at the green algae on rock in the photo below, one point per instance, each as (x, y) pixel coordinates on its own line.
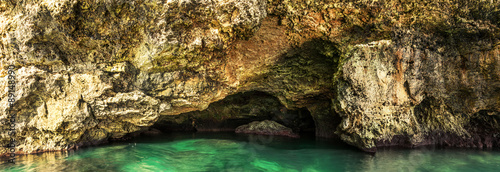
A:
(373, 72)
(266, 127)
(390, 90)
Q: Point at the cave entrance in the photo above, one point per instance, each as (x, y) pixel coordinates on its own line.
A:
(236, 110)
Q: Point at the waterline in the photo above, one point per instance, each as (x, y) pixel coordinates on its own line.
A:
(232, 152)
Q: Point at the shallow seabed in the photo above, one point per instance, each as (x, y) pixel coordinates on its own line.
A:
(240, 152)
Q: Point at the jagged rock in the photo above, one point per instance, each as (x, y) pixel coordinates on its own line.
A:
(394, 94)
(266, 127)
(89, 71)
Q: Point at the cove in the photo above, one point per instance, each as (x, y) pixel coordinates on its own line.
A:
(223, 151)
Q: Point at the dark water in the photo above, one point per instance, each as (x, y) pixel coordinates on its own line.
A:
(234, 152)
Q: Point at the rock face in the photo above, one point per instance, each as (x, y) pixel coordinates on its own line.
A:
(266, 127)
(391, 94)
(374, 73)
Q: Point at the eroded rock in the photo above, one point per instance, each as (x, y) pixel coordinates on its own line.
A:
(409, 93)
(266, 127)
(87, 71)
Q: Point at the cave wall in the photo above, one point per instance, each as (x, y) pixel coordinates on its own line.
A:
(236, 110)
(87, 71)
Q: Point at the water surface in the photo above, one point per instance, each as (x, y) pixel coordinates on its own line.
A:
(240, 152)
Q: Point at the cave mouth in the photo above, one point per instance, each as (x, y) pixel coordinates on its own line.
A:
(236, 110)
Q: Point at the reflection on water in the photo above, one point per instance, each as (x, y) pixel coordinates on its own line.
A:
(433, 160)
(238, 152)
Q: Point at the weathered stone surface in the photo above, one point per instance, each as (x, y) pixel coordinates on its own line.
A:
(88, 71)
(389, 89)
(325, 118)
(266, 127)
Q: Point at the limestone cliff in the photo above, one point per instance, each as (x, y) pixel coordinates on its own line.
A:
(374, 73)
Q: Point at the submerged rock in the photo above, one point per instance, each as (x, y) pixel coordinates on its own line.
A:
(266, 127)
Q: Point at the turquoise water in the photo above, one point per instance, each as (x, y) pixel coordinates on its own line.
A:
(239, 152)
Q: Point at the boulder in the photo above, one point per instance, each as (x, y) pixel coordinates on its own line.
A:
(266, 127)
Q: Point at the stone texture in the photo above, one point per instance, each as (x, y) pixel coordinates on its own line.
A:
(374, 72)
(92, 70)
(266, 127)
(388, 89)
